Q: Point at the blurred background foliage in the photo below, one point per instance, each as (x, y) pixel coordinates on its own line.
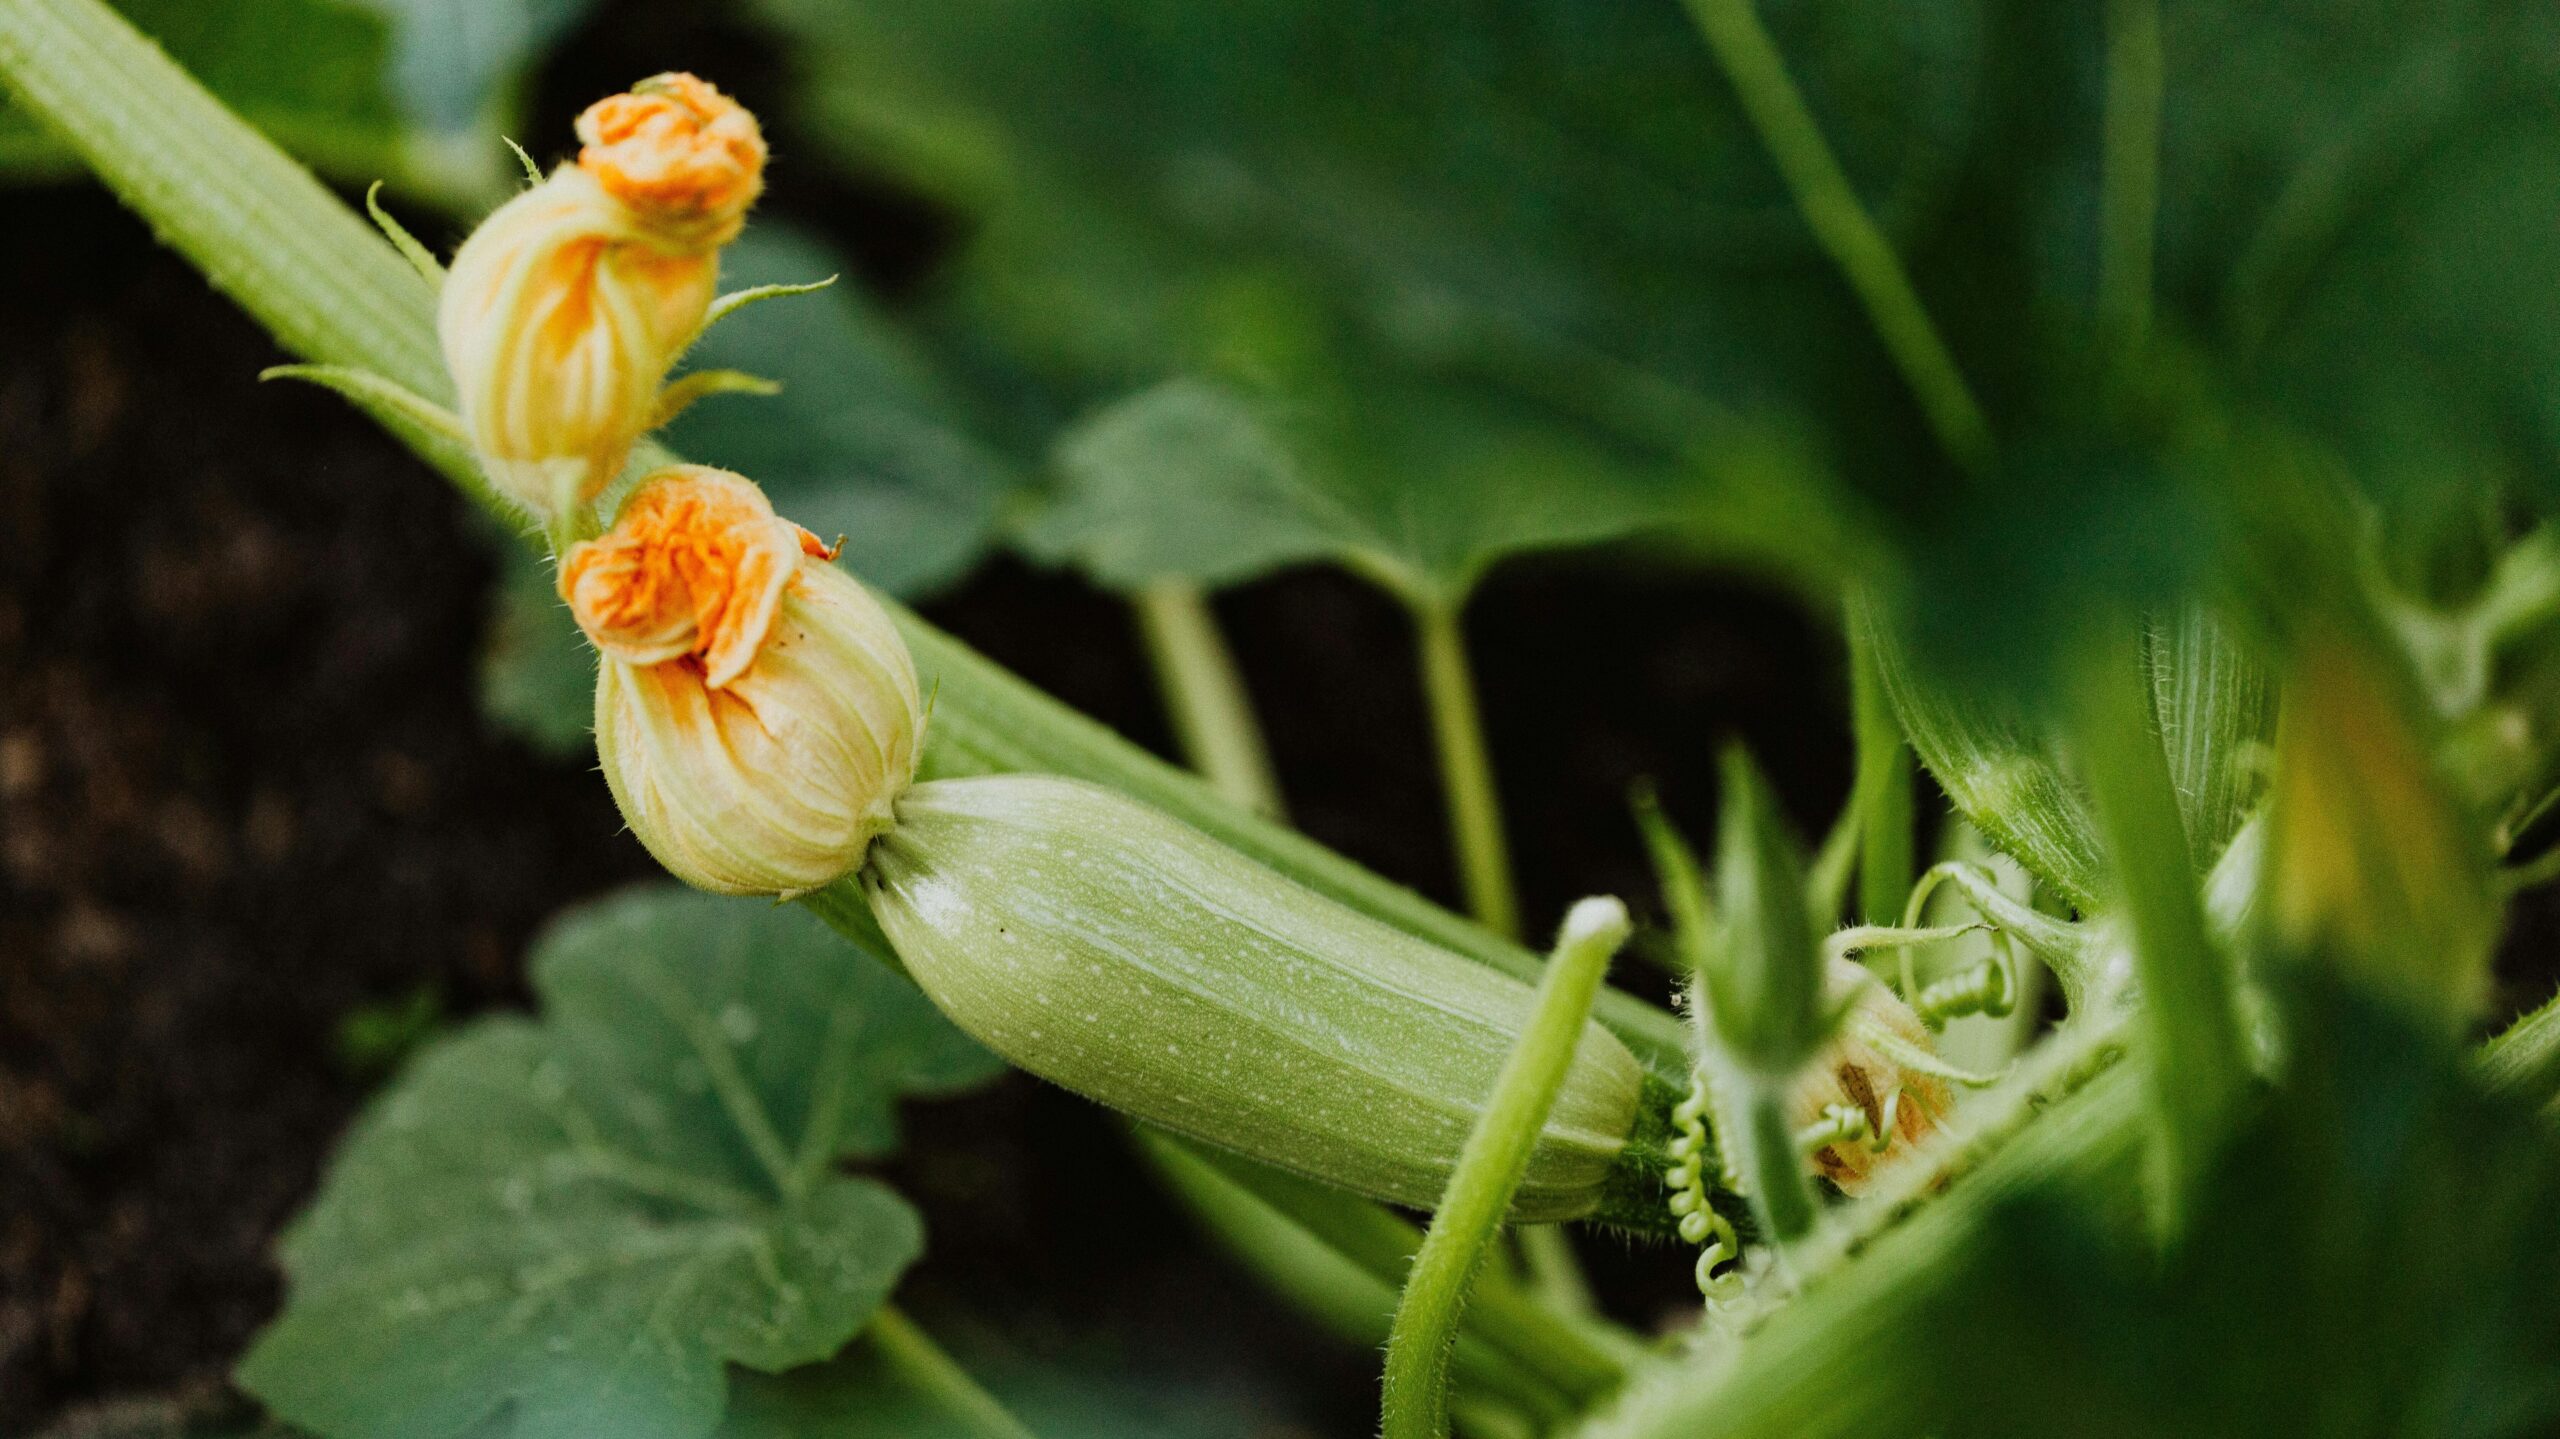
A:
(1415, 288)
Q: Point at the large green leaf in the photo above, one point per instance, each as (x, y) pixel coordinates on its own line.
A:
(1474, 250)
(573, 1226)
(1197, 481)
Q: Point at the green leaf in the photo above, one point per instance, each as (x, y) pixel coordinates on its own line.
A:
(1195, 480)
(574, 1225)
(2216, 711)
(1490, 258)
(1996, 765)
(453, 61)
(858, 1396)
(865, 440)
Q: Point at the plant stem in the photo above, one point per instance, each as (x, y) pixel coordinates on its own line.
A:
(1416, 1400)
(1205, 696)
(1466, 771)
(2200, 1064)
(1771, 1166)
(1841, 224)
(920, 1361)
(2129, 189)
(1580, 1356)
(1335, 1287)
(1882, 792)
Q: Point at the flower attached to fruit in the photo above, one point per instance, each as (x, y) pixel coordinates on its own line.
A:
(565, 310)
(757, 714)
(1858, 1078)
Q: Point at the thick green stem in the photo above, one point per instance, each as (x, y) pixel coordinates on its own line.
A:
(2129, 186)
(1882, 792)
(2201, 1062)
(918, 1360)
(1416, 1400)
(1770, 1162)
(1841, 224)
(1205, 696)
(1466, 770)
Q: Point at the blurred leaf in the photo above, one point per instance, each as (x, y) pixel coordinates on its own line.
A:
(361, 89)
(1463, 245)
(537, 673)
(453, 60)
(571, 1226)
(863, 442)
(2376, 1255)
(1195, 480)
(857, 1396)
(2373, 860)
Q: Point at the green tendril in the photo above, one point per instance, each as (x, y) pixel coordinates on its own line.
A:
(1719, 1270)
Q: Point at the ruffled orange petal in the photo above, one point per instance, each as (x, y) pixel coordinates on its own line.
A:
(694, 568)
(675, 147)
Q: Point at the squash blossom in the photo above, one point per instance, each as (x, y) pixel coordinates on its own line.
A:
(1854, 1073)
(564, 311)
(757, 715)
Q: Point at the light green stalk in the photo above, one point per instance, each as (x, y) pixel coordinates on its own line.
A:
(1466, 770)
(1489, 1169)
(914, 1356)
(1205, 696)
(1841, 224)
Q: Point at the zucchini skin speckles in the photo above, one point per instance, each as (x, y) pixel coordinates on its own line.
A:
(1116, 952)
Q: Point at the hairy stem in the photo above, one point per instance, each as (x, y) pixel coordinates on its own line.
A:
(1496, 1154)
(1205, 696)
(921, 1362)
(1841, 224)
(1466, 770)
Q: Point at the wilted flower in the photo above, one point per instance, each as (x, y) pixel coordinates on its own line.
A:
(756, 713)
(564, 311)
(1854, 1072)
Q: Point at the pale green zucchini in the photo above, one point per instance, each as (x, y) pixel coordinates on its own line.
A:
(1112, 950)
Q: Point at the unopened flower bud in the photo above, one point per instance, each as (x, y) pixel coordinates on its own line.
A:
(687, 158)
(564, 311)
(1855, 1073)
(757, 714)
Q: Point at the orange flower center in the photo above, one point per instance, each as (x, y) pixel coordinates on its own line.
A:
(675, 148)
(693, 570)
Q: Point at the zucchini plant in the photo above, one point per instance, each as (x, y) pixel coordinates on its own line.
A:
(2170, 1097)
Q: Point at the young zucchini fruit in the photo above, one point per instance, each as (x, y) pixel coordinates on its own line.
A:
(1117, 952)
